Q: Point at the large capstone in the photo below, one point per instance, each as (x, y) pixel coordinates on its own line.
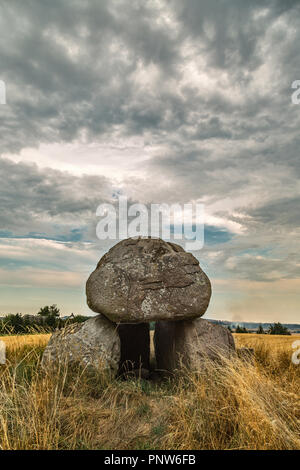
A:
(146, 279)
(94, 343)
(190, 344)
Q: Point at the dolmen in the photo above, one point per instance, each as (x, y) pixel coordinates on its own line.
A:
(139, 281)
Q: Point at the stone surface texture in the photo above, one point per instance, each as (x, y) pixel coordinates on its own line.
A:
(94, 343)
(146, 279)
(190, 344)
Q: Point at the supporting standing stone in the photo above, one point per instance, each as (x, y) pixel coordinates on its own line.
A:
(189, 343)
(135, 348)
(146, 279)
(94, 343)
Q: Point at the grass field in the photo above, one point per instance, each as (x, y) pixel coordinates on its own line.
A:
(233, 405)
(15, 342)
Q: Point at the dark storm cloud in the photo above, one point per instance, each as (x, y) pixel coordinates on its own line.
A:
(54, 94)
(48, 203)
(71, 66)
(232, 30)
(283, 212)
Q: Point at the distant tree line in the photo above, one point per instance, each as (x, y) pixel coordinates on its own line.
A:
(275, 329)
(47, 319)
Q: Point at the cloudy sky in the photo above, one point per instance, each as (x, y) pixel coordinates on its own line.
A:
(164, 101)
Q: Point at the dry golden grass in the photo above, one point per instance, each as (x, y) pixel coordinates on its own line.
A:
(233, 405)
(252, 340)
(16, 342)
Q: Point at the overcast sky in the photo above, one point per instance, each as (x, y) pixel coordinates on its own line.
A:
(163, 101)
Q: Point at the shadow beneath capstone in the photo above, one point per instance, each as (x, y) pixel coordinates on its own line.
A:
(135, 350)
(138, 359)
